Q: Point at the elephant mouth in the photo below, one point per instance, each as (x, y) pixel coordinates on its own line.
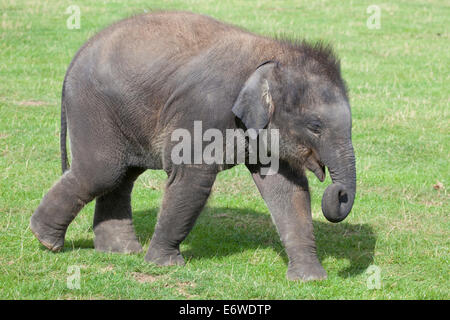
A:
(313, 164)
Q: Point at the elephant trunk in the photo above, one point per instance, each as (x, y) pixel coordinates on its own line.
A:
(337, 200)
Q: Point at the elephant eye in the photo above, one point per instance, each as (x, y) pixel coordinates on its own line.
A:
(315, 126)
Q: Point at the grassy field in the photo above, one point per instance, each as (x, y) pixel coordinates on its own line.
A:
(398, 76)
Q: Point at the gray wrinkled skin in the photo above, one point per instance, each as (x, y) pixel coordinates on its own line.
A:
(135, 82)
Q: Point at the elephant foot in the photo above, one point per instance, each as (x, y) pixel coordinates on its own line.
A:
(116, 236)
(164, 257)
(50, 237)
(306, 272)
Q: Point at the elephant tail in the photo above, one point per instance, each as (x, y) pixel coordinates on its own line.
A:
(63, 134)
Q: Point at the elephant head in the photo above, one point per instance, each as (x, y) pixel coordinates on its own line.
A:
(306, 100)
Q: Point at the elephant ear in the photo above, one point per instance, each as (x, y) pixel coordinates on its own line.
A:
(254, 104)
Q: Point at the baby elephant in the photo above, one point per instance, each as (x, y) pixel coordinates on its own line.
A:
(139, 81)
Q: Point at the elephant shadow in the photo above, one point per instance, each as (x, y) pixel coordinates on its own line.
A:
(220, 232)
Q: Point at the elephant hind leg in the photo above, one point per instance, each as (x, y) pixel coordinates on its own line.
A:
(113, 225)
(57, 210)
(68, 196)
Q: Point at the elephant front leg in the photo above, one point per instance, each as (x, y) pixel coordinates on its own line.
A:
(287, 197)
(186, 193)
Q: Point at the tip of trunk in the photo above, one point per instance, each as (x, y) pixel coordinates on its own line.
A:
(337, 202)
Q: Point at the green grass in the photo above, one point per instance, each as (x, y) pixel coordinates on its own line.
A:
(398, 77)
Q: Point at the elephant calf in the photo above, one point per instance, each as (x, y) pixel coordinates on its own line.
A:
(131, 85)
